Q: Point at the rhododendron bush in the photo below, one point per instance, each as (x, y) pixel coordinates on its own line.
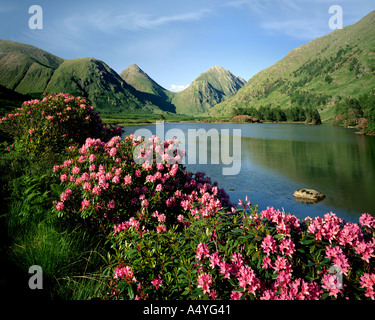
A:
(55, 122)
(246, 255)
(175, 235)
(105, 184)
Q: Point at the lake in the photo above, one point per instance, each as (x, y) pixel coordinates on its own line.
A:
(277, 159)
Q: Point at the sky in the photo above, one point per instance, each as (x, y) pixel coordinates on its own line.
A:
(174, 41)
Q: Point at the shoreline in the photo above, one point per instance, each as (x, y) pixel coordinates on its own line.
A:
(219, 122)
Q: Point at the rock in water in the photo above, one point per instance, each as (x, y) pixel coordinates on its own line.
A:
(308, 195)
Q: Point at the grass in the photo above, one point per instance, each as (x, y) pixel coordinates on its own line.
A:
(141, 118)
(72, 256)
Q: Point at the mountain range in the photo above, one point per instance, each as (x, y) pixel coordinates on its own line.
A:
(27, 70)
(318, 74)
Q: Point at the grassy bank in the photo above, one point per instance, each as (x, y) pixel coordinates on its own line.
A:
(72, 257)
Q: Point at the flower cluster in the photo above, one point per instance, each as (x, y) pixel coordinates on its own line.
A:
(103, 181)
(268, 256)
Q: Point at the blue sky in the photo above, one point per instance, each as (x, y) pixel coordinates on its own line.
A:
(172, 40)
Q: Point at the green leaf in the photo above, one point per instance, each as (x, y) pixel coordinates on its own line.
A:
(280, 236)
(131, 292)
(307, 241)
(312, 249)
(186, 292)
(310, 263)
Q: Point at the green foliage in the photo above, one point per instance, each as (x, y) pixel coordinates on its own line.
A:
(357, 112)
(293, 114)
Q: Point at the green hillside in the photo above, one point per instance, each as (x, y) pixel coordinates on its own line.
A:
(94, 80)
(210, 88)
(26, 69)
(317, 74)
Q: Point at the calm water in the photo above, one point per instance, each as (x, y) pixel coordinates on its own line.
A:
(277, 159)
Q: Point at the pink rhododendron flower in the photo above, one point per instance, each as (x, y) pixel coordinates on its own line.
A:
(87, 186)
(287, 247)
(113, 152)
(111, 204)
(215, 259)
(128, 179)
(202, 251)
(368, 281)
(85, 204)
(96, 190)
(157, 282)
(161, 228)
(204, 282)
(367, 220)
(269, 244)
(60, 206)
(145, 203)
(116, 179)
(331, 284)
(125, 272)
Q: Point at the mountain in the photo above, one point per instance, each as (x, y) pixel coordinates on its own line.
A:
(210, 88)
(148, 88)
(317, 74)
(24, 68)
(94, 80)
(31, 71)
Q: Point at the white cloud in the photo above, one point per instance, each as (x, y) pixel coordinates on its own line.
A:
(293, 18)
(298, 29)
(177, 88)
(108, 22)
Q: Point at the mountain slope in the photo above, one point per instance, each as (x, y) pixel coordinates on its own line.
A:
(148, 88)
(94, 80)
(210, 88)
(24, 68)
(317, 74)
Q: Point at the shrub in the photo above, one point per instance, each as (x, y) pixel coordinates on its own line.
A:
(104, 184)
(267, 256)
(55, 122)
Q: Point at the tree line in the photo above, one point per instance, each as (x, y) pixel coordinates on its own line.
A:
(357, 112)
(276, 114)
